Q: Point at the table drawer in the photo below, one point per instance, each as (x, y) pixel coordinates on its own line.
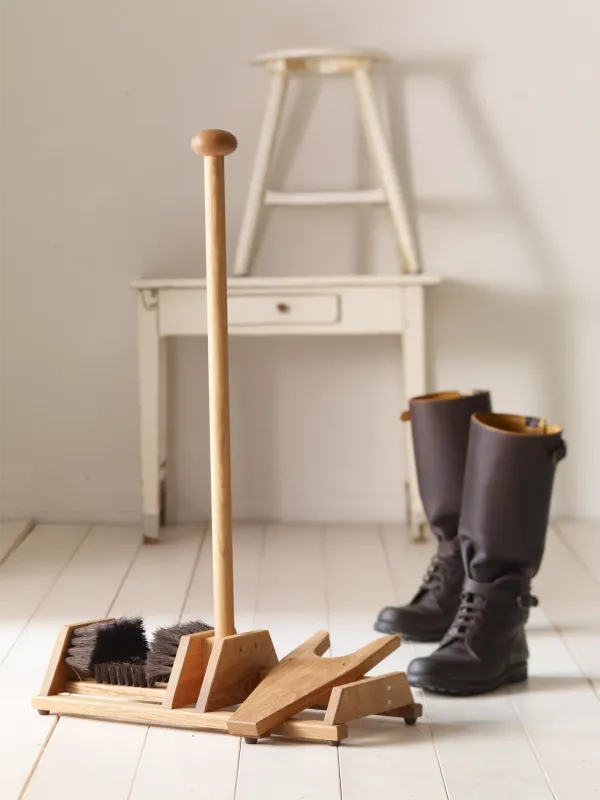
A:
(283, 309)
(352, 310)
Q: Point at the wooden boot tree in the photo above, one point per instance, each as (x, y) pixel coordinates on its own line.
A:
(215, 670)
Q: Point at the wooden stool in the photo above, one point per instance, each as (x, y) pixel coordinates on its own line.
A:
(326, 61)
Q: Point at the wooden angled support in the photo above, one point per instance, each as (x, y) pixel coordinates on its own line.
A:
(383, 694)
(236, 666)
(188, 670)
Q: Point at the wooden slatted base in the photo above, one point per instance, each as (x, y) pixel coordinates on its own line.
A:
(151, 714)
(242, 668)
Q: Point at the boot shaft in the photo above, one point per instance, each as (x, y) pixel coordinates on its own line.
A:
(509, 476)
(440, 431)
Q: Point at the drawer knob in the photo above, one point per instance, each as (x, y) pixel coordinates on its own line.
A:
(283, 308)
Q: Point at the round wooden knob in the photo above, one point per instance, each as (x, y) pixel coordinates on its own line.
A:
(214, 143)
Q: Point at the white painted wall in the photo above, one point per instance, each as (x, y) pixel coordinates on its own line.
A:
(497, 101)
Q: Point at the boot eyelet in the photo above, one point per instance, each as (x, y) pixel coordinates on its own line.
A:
(526, 601)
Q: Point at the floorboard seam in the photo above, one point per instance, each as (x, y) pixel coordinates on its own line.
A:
(50, 588)
(425, 718)
(38, 758)
(531, 744)
(564, 539)
(203, 536)
(137, 766)
(112, 602)
(30, 525)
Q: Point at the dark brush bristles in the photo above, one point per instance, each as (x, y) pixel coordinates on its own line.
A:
(123, 639)
(163, 648)
(123, 673)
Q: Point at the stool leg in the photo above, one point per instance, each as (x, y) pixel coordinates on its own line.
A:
(381, 155)
(262, 161)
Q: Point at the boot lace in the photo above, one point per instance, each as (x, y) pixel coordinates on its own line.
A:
(437, 573)
(468, 616)
(472, 608)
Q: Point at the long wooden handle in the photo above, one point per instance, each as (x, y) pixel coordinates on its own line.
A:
(214, 145)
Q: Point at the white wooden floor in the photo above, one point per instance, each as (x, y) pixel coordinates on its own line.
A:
(541, 740)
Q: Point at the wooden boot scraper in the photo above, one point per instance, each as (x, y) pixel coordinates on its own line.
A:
(215, 670)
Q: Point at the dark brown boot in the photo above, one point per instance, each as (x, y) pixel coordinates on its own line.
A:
(440, 430)
(506, 501)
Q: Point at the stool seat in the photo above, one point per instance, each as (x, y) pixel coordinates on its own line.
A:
(319, 52)
(318, 59)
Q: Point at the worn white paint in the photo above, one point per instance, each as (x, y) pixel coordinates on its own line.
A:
(355, 197)
(279, 308)
(381, 154)
(256, 192)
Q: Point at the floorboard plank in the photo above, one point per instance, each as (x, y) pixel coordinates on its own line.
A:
(570, 598)
(556, 706)
(292, 605)
(481, 744)
(383, 757)
(84, 589)
(29, 574)
(560, 712)
(12, 533)
(582, 537)
(103, 756)
(536, 740)
(178, 763)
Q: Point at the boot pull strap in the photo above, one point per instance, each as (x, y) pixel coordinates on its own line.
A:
(497, 591)
(537, 424)
(559, 453)
(405, 416)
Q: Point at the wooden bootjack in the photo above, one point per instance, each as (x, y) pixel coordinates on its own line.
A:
(219, 669)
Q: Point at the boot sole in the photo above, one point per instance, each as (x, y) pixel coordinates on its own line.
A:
(409, 637)
(517, 673)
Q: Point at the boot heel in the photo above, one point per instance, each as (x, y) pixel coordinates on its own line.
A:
(517, 673)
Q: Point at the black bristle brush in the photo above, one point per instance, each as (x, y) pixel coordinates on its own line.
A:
(123, 673)
(120, 640)
(163, 648)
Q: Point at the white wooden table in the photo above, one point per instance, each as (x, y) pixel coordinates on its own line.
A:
(314, 306)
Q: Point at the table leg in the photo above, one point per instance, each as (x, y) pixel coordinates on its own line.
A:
(414, 384)
(149, 348)
(162, 431)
